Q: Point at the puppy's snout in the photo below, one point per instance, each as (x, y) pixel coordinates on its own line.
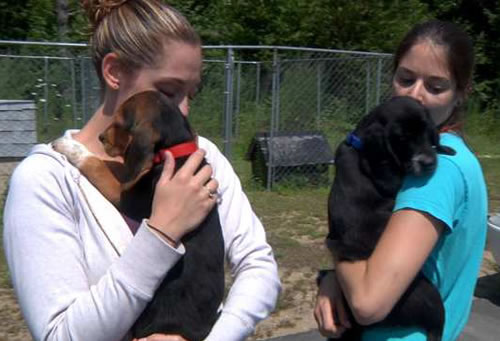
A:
(423, 164)
(102, 138)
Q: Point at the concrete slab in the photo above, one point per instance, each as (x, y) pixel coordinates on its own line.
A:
(307, 336)
(484, 322)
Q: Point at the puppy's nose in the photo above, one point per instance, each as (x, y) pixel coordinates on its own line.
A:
(423, 164)
(102, 138)
(428, 163)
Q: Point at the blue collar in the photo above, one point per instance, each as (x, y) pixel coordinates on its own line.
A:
(354, 141)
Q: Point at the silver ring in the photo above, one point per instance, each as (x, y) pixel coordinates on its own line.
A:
(214, 195)
(211, 194)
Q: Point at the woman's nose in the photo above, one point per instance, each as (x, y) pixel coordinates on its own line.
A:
(417, 91)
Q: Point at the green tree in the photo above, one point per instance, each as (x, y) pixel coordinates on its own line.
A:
(481, 18)
(342, 24)
(41, 20)
(13, 20)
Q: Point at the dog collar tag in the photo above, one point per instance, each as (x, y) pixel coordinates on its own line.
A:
(179, 150)
(354, 141)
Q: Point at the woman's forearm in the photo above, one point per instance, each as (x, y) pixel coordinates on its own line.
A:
(363, 292)
(373, 286)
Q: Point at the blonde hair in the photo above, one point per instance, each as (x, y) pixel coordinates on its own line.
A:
(136, 30)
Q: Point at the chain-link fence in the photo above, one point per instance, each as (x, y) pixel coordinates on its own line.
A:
(285, 109)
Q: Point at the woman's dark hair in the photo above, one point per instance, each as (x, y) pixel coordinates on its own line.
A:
(459, 50)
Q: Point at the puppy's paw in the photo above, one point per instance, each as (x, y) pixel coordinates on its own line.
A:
(74, 151)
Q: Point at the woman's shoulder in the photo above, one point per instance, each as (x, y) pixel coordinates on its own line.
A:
(42, 162)
(465, 160)
(208, 146)
(462, 149)
(42, 157)
(213, 154)
(222, 169)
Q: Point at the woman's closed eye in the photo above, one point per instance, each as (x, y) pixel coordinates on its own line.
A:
(437, 86)
(404, 77)
(174, 95)
(168, 91)
(405, 82)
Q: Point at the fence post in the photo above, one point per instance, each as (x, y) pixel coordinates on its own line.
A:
(277, 125)
(257, 84)
(379, 75)
(83, 92)
(73, 92)
(228, 103)
(367, 101)
(237, 104)
(45, 92)
(318, 95)
(274, 113)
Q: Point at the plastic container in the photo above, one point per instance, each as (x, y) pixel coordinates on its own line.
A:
(494, 236)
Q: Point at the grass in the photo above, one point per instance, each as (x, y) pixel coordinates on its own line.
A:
(491, 169)
(483, 135)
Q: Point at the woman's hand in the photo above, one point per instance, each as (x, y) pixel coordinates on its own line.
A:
(330, 310)
(182, 200)
(161, 337)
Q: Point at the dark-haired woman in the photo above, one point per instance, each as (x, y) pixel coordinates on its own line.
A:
(439, 222)
(79, 271)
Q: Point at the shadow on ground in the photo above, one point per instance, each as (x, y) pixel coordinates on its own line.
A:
(488, 287)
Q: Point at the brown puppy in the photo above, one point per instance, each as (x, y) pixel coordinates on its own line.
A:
(147, 124)
(136, 135)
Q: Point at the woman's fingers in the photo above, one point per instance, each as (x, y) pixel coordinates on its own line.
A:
(168, 166)
(211, 186)
(330, 310)
(324, 315)
(182, 200)
(201, 178)
(188, 172)
(192, 163)
(203, 175)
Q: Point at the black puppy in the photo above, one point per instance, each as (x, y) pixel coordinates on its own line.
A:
(397, 138)
(187, 301)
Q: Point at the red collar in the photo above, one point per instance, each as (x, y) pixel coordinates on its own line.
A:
(179, 150)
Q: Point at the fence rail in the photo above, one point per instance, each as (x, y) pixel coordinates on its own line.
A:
(279, 90)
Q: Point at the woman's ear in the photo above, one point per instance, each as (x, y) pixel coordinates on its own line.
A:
(111, 70)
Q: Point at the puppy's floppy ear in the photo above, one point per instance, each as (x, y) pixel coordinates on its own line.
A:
(390, 131)
(374, 131)
(139, 151)
(375, 147)
(377, 159)
(445, 150)
(440, 149)
(173, 125)
(118, 137)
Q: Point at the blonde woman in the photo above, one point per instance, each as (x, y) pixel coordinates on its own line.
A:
(79, 271)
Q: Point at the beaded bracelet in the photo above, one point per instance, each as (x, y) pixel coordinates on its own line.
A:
(171, 240)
